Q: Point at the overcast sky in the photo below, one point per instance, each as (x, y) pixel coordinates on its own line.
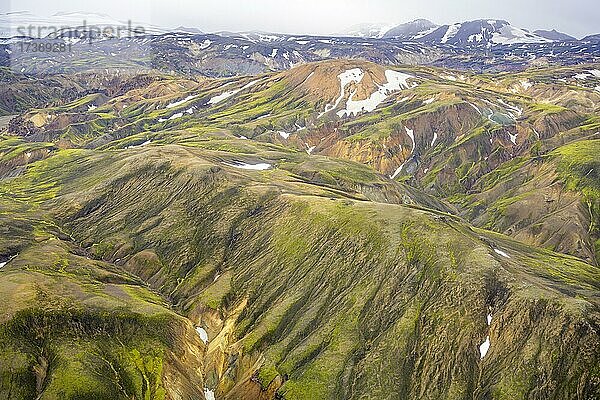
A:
(576, 17)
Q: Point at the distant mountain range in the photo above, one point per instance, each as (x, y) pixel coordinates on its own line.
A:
(592, 38)
(555, 35)
(483, 32)
(373, 31)
(477, 33)
(482, 45)
(17, 23)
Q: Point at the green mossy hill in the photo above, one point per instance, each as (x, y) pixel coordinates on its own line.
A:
(329, 296)
(579, 168)
(76, 328)
(550, 200)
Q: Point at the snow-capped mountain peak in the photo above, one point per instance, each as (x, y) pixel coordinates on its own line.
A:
(482, 33)
(24, 23)
(370, 30)
(412, 30)
(555, 35)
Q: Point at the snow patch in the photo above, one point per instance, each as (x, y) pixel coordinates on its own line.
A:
(309, 76)
(595, 72)
(484, 348)
(310, 149)
(451, 32)
(526, 84)
(500, 252)
(397, 172)
(253, 167)
(478, 37)
(222, 96)
(146, 143)
(209, 394)
(411, 134)
(435, 136)
(517, 110)
(351, 75)
(510, 35)
(203, 334)
(395, 81)
(172, 117)
(424, 33)
(180, 102)
(71, 40)
(284, 135)
(476, 108)
(228, 94)
(3, 264)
